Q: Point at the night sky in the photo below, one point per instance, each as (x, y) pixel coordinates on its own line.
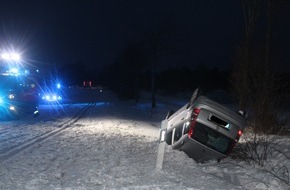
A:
(95, 32)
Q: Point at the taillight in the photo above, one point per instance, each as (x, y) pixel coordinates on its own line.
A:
(195, 111)
(190, 131)
(194, 115)
(240, 132)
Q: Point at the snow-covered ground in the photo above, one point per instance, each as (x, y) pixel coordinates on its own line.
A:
(98, 142)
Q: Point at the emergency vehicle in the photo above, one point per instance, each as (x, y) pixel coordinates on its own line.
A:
(19, 90)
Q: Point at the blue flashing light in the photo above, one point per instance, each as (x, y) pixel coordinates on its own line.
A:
(51, 97)
(14, 71)
(47, 97)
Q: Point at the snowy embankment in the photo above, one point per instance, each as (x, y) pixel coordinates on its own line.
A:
(103, 143)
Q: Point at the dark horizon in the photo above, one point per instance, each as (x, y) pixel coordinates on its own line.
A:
(96, 32)
(82, 40)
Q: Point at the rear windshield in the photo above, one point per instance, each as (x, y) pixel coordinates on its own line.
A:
(212, 138)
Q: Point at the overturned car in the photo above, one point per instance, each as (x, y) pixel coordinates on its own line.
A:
(203, 129)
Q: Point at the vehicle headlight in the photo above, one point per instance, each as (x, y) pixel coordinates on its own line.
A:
(52, 97)
(12, 108)
(11, 96)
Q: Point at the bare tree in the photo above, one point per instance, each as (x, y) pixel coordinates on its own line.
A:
(156, 42)
(254, 79)
(251, 10)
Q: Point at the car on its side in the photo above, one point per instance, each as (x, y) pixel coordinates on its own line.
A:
(204, 129)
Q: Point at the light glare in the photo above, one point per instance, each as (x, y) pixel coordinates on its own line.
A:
(14, 70)
(5, 56)
(15, 56)
(11, 56)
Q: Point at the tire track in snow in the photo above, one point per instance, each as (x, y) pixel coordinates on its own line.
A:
(19, 124)
(22, 125)
(13, 150)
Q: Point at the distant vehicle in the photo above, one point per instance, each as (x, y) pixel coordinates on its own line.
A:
(51, 91)
(18, 86)
(203, 129)
(87, 84)
(18, 95)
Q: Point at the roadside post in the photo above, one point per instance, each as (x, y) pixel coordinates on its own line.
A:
(162, 145)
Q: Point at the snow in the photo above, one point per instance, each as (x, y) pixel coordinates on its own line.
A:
(96, 141)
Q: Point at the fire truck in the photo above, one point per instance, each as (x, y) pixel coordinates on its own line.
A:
(19, 90)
